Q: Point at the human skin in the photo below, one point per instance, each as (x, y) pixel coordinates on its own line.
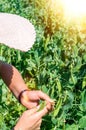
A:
(13, 79)
(31, 119)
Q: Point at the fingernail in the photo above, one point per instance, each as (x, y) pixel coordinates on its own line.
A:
(38, 107)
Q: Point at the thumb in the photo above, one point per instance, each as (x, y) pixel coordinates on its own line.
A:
(41, 113)
(32, 111)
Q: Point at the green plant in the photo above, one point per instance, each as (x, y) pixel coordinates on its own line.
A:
(56, 64)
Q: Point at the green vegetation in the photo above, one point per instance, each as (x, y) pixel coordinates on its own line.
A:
(56, 64)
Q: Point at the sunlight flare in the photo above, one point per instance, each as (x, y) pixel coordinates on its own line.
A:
(74, 8)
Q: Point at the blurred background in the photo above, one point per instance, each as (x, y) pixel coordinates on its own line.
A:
(56, 64)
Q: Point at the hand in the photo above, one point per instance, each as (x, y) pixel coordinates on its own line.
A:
(31, 99)
(31, 119)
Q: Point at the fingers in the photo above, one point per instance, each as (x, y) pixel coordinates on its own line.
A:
(31, 111)
(38, 115)
(38, 124)
(29, 104)
(50, 106)
(44, 96)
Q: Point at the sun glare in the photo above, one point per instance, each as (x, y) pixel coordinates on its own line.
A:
(74, 8)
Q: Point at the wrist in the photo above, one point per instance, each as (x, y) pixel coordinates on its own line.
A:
(21, 94)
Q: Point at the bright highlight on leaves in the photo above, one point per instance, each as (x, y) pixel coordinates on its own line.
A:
(74, 7)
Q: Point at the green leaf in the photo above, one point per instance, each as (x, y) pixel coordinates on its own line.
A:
(82, 122)
(83, 101)
(84, 82)
(72, 127)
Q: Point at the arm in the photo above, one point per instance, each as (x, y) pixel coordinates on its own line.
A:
(16, 84)
(12, 78)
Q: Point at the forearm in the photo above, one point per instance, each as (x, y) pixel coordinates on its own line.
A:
(12, 78)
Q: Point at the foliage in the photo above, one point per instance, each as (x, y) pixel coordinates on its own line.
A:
(56, 64)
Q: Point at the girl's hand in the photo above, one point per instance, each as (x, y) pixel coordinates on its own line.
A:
(31, 98)
(31, 119)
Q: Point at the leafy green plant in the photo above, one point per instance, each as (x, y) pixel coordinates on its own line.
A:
(56, 64)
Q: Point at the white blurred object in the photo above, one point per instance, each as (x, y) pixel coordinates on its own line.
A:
(16, 32)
